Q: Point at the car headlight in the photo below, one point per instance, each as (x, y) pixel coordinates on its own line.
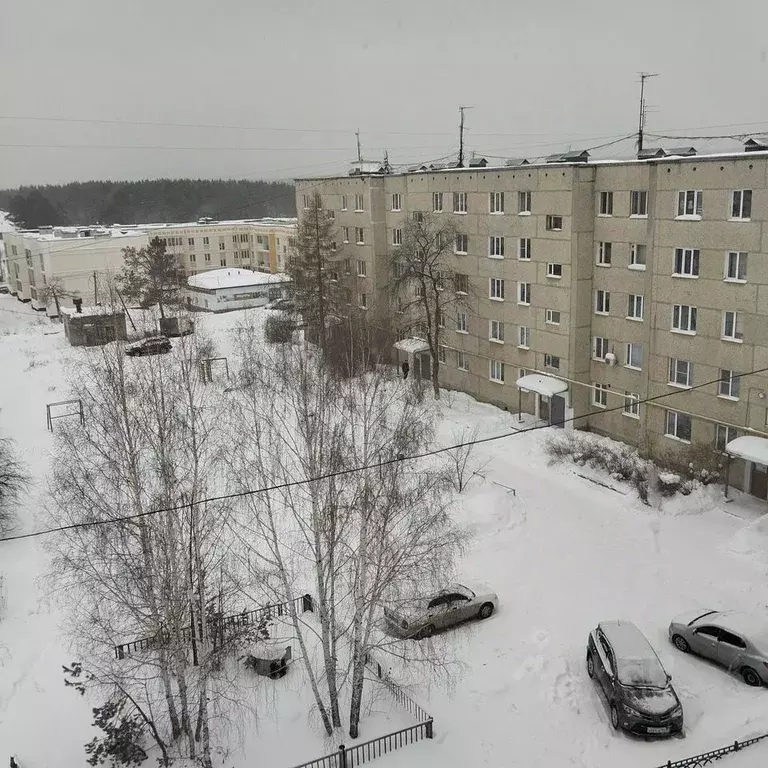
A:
(677, 711)
(631, 710)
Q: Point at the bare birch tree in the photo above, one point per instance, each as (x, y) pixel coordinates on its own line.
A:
(14, 479)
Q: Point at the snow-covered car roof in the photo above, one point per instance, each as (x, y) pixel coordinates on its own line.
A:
(636, 661)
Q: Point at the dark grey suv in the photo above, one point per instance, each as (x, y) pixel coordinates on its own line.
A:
(636, 686)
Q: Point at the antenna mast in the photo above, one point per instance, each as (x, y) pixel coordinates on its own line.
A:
(641, 124)
(461, 136)
(359, 155)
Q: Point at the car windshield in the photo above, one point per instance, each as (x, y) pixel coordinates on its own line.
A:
(641, 673)
(465, 591)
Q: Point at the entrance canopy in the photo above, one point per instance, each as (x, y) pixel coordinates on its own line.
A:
(542, 385)
(750, 448)
(412, 346)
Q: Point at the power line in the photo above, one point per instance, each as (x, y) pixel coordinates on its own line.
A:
(363, 468)
(199, 149)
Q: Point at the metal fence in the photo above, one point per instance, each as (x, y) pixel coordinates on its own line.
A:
(399, 695)
(697, 761)
(350, 757)
(218, 627)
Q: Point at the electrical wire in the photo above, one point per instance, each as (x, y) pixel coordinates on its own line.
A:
(363, 468)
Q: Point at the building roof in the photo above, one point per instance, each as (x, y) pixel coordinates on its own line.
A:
(650, 152)
(756, 143)
(749, 447)
(516, 161)
(682, 151)
(232, 277)
(478, 162)
(412, 346)
(98, 310)
(266, 222)
(542, 385)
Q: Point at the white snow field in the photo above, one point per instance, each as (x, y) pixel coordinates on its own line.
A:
(563, 553)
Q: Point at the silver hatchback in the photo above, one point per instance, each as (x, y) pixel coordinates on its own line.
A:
(736, 641)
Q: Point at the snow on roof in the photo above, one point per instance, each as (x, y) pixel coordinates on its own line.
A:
(6, 225)
(750, 448)
(412, 345)
(636, 661)
(266, 222)
(233, 278)
(90, 311)
(543, 385)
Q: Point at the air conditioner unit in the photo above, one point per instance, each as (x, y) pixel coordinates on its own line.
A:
(610, 358)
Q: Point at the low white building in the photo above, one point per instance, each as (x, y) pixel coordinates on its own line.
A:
(222, 290)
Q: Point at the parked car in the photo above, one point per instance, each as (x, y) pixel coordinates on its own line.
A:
(153, 345)
(421, 617)
(638, 689)
(737, 641)
(4, 288)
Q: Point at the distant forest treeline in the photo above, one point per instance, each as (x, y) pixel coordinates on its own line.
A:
(142, 202)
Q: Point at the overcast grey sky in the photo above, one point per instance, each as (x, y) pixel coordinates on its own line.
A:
(541, 75)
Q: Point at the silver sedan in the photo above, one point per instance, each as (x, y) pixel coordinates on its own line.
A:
(736, 641)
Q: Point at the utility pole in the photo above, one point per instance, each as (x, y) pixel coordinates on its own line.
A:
(461, 136)
(95, 290)
(641, 124)
(359, 154)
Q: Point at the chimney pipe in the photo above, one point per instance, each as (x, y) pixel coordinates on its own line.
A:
(78, 305)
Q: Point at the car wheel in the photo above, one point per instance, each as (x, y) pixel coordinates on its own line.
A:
(590, 665)
(681, 643)
(486, 609)
(751, 677)
(614, 716)
(428, 631)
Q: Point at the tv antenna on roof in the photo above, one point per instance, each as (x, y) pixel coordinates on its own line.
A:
(643, 111)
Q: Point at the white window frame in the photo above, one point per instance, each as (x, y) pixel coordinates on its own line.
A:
(690, 199)
(684, 319)
(737, 330)
(638, 204)
(397, 236)
(524, 337)
(600, 348)
(496, 288)
(359, 202)
(551, 220)
(604, 253)
(460, 205)
(359, 235)
(605, 203)
(441, 354)
(524, 248)
(672, 426)
(631, 347)
(602, 302)
(465, 279)
(496, 371)
(738, 197)
(524, 199)
(600, 394)
(635, 249)
(549, 316)
(549, 361)
(343, 202)
(437, 202)
(728, 384)
(462, 322)
(496, 203)
(362, 268)
(397, 201)
(687, 263)
(496, 247)
(680, 373)
(496, 331)
(524, 294)
(738, 259)
(345, 234)
(724, 433)
(466, 244)
(551, 271)
(636, 307)
(362, 300)
(631, 405)
(462, 360)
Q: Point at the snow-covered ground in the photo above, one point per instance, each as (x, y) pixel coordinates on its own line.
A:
(563, 553)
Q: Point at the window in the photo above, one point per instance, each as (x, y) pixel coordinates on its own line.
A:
(680, 372)
(363, 300)
(397, 237)
(683, 318)
(496, 331)
(439, 318)
(741, 204)
(600, 347)
(192, 258)
(222, 246)
(331, 215)
(523, 202)
(347, 266)
(638, 202)
(441, 354)
(359, 203)
(305, 199)
(345, 233)
(635, 307)
(462, 325)
(347, 294)
(524, 337)
(524, 293)
(496, 247)
(361, 268)
(462, 363)
(461, 283)
(418, 291)
(723, 436)
(689, 203)
(234, 238)
(207, 258)
(729, 384)
(736, 266)
(732, 327)
(552, 317)
(678, 426)
(686, 262)
(496, 288)
(637, 256)
(606, 204)
(552, 361)
(359, 236)
(343, 202)
(631, 404)
(496, 202)
(418, 216)
(602, 302)
(524, 249)
(42, 262)
(554, 223)
(554, 270)
(206, 241)
(600, 395)
(462, 243)
(496, 372)
(604, 254)
(634, 358)
(190, 241)
(437, 202)
(223, 261)
(397, 201)
(459, 202)
(244, 238)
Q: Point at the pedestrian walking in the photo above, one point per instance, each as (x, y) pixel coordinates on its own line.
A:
(405, 368)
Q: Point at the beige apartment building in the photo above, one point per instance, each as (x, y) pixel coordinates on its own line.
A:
(604, 283)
